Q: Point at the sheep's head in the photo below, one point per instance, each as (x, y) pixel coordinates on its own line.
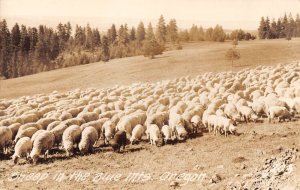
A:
(254, 117)
(15, 158)
(83, 148)
(232, 129)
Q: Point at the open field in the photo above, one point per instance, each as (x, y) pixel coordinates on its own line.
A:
(194, 59)
(237, 159)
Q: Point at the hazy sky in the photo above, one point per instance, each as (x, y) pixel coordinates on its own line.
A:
(230, 14)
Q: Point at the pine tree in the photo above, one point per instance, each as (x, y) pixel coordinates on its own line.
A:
(140, 33)
(80, 36)
(218, 34)
(262, 29)
(161, 30)
(89, 44)
(96, 38)
(172, 31)
(297, 26)
(105, 49)
(132, 36)
(5, 49)
(112, 34)
(151, 46)
(273, 30)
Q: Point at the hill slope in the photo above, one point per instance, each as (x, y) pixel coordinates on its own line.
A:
(194, 59)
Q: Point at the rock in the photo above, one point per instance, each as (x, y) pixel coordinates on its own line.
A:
(174, 184)
(247, 176)
(237, 175)
(215, 178)
(220, 166)
(243, 166)
(190, 149)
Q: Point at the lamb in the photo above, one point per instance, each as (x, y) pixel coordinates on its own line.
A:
(42, 144)
(247, 113)
(279, 111)
(22, 149)
(70, 137)
(5, 139)
(119, 140)
(181, 132)
(108, 130)
(137, 133)
(212, 122)
(88, 116)
(174, 120)
(166, 133)
(89, 137)
(28, 132)
(154, 134)
(196, 122)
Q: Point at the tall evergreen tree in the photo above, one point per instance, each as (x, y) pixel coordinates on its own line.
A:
(5, 49)
(132, 36)
(161, 30)
(140, 33)
(262, 29)
(172, 31)
(151, 46)
(112, 34)
(105, 49)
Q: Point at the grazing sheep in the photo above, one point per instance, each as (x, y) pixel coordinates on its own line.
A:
(196, 122)
(71, 136)
(119, 140)
(22, 149)
(279, 111)
(28, 132)
(36, 134)
(166, 133)
(14, 129)
(65, 116)
(88, 116)
(52, 125)
(225, 124)
(58, 132)
(27, 125)
(231, 112)
(5, 139)
(181, 132)
(137, 133)
(154, 134)
(29, 118)
(89, 137)
(247, 113)
(44, 122)
(108, 130)
(42, 144)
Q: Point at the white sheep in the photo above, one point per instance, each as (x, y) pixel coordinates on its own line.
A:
(137, 133)
(224, 124)
(5, 139)
(196, 122)
(279, 111)
(166, 133)
(28, 132)
(14, 129)
(22, 149)
(88, 116)
(154, 134)
(44, 122)
(36, 134)
(42, 144)
(89, 137)
(58, 132)
(247, 113)
(108, 131)
(71, 136)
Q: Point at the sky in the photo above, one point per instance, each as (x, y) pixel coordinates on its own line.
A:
(231, 14)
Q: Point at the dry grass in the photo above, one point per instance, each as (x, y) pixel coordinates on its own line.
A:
(194, 59)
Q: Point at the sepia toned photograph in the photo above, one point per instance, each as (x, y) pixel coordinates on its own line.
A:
(150, 94)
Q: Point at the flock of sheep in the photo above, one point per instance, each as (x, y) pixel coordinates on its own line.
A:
(164, 111)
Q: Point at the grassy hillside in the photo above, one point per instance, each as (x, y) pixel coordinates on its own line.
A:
(194, 59)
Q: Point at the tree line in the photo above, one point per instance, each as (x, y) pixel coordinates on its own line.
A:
(27, 50)
(285, 27)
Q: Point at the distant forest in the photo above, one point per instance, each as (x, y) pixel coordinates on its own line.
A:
(285, 27)
(27, 50)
